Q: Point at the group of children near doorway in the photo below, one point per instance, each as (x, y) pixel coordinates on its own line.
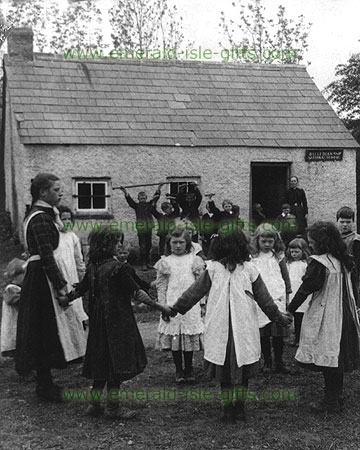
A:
(182, 207)
(242, 293)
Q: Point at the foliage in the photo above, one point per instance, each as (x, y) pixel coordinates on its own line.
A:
(32, 14)
(344, 92)
(261, 39)
(5, 27)
(145, 24)
(79, 25)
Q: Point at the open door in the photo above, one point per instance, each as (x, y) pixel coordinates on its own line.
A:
(269, 182)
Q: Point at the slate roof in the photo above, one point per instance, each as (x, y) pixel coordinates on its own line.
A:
(131, 102)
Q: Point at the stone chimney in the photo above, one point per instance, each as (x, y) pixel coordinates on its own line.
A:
(21, 44)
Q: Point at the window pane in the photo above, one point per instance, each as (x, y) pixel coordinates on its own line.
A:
(174, 188)
(99, 196)
(84, 195)
(99, 203)
(98, 189)
(84, 202)
(84, 189)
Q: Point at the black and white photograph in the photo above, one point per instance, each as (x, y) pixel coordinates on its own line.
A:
(179, 229)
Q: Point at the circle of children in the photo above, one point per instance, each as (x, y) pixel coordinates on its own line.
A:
(234, 298)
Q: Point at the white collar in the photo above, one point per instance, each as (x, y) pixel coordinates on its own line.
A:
(43, 204)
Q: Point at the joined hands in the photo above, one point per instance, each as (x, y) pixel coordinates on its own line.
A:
(167, 312)
(285, 319)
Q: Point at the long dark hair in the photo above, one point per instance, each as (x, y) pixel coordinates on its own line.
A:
(328, 240)
(41, 181)
(230, 249)
(102, 244)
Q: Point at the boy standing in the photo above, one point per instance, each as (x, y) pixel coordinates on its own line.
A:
(345, 218)
(189, 202)
(166, 220)
(143, 224)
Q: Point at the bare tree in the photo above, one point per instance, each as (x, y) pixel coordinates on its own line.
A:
(144, 24)
(79, 25)
(260, 39)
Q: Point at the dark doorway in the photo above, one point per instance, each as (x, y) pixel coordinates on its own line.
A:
(269, 182)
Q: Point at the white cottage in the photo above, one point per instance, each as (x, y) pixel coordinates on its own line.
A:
(240, 130)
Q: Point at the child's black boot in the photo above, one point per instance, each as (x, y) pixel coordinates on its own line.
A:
(94, 409)
(278, 346)
(239, 410)
(228, 415)
(114, 411)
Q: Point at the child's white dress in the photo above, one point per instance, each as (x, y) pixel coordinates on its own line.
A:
(72, 267)
(297, 270)
(268, 266)
(9, 317)
(174, 275)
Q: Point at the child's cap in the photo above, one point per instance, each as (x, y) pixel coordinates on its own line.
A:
(285, 206)
(345, 212)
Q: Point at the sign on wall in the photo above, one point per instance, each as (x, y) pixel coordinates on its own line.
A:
(323, 155)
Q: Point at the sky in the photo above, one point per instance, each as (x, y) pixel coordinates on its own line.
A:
(334, 35)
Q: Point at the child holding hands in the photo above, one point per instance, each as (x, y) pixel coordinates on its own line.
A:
(329, 340)
(232, 340)
(115, 351)
(175, 273)
(268, 257)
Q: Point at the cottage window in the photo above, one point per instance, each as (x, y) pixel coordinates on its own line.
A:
(176, 183)
(91, 196)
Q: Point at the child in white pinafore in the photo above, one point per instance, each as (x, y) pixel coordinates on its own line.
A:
(330, 332)
(14, 273)
(175, 273)
(71, 260)
(268, 256)
(232, 339)
(297, 255)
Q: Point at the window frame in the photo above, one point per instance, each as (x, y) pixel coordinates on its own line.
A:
(92, 211)
(186, 179)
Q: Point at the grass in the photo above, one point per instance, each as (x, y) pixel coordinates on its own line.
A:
(27, 423)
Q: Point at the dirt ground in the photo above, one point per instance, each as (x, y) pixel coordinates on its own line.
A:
(184, 423)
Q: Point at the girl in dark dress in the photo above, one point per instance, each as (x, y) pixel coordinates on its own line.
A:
(329, 340)
(115, 351)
